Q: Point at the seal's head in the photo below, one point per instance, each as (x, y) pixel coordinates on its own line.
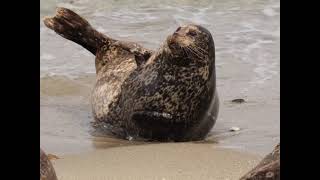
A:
(191, 41)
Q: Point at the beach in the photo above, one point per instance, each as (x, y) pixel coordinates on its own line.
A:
(247, 42)
(156, 161)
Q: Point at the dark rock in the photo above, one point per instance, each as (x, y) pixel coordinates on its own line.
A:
(238, 101)
(46, 169)
(267, 169)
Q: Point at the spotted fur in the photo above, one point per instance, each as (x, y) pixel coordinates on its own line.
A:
(172, 96)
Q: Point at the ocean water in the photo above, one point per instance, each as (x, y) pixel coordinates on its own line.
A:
(247, 40)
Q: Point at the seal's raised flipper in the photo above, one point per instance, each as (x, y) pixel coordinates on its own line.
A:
(71, 26)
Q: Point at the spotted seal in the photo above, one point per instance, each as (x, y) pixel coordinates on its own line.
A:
(46, 169)
(167, 95)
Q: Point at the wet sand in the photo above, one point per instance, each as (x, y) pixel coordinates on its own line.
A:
(85, 154)
(65, 118)
(163, 161)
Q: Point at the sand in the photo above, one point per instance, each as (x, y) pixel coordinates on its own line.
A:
(164, 161)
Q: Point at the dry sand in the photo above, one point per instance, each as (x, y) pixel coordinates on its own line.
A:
(163, 161)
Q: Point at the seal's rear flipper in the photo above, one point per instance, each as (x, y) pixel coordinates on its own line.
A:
(71, 26)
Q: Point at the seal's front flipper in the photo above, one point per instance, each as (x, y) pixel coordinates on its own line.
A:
(71, 26)
(141, 54)
(158, 126)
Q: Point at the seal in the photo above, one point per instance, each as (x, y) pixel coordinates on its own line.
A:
(166, 95)
(46, 169)
(268, 167)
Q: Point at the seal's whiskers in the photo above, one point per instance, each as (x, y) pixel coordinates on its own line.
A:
(194, 52)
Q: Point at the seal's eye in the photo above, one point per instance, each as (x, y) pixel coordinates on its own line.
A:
(178, 29)
(192, 33)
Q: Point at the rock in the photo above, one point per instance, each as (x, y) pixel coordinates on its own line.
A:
(234, 129)
(267, 169)
(46, 169)
(238, 101)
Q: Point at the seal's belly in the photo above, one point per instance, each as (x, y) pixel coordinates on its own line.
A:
(108, 86)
